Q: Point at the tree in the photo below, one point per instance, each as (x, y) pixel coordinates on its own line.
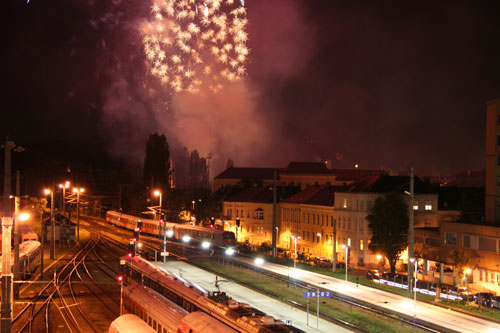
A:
(388, 221)
(460, 260)
(157, 162)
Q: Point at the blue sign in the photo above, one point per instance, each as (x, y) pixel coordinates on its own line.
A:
(314, 294)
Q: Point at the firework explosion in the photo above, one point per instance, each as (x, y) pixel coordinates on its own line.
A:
(190, 43)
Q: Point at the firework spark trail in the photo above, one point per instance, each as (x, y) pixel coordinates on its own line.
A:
(195, 43)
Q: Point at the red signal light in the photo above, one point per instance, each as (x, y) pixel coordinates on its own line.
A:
(130, 255)
(120, 278)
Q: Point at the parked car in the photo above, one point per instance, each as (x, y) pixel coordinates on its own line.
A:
(373, 274)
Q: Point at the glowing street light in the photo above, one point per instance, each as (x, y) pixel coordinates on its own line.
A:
(24, 217)
(346, 247)
(52, 224)
(169, 233)
(78, 191)
(64, 187)
(295, 257)
(158, 193)
(230, 251)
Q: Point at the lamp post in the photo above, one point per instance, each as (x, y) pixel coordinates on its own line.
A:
(411, 230)
(64, 187)
(52, 224)
(78, 191)
(415, 261)
(157, 193)
(346, 247)
(319, 235)
(295, 238)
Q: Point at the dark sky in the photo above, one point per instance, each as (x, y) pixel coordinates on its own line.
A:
(385, 83)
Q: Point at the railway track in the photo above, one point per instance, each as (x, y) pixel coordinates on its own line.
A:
(183, 250)
(71, 296)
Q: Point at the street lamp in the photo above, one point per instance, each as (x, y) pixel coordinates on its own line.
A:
(157, 193)
(415, 261)
(295, 257)
(346, 247)
(52, 224)
(78, 191)
(64, 187)
(319, 235)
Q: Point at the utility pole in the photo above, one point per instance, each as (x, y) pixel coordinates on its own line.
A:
(334, 245)
(6, 307)
(15, 232)
(52, 226)
(275, 222)
(411, 230)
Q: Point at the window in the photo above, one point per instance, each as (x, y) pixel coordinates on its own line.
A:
(432, 242)
(362, 205)
(428, 205)
(450, 238)
(466, 243)
(348, 242)
(308, 218)
(345, 200)
(415, 205)
(361, 223)
(487, 244)
(361, 245)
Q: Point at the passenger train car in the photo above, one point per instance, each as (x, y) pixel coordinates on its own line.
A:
(29, 258)
(177, 231)
(129, 323)
(192, 298)
(164, 316)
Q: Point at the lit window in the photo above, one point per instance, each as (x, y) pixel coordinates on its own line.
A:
(361, 245)
(348, 242)
(345, 203)
(428, 206)
(415, 205)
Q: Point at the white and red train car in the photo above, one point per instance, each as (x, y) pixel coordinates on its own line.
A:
(129, 323)
(215, 237)
(164, 316)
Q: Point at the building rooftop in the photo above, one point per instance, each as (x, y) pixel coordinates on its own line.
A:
(316, 195)
(385, 184)
(260, 194)
(307, 168)
(249, 173)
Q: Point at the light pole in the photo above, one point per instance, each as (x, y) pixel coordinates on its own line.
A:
(64, 187)
(334, 245)
(158, 194)
(415, 261)
(78, 191)
(295, 238)
(52, 224)
(319, 235)
(346, 247)
(411, 230)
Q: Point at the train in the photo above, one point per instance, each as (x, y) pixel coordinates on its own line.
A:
(165, 316)
(176, 231)
(27, 234)
(129, 323)
(192, 298)
(29, 258)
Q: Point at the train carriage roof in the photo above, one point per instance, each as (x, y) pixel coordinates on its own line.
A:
(129, 323)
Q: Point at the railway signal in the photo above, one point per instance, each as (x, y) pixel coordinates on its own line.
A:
(131, 249)
(238, 222)
(212, 222)
(120, 280)
(139, 225)
(136, 235)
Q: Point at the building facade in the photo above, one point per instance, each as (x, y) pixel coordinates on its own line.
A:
(492, 179)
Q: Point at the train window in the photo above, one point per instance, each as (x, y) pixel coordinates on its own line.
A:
(149, 320)
(154, 324)
(159, 327)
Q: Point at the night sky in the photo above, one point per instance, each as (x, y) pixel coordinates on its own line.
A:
(384, 83)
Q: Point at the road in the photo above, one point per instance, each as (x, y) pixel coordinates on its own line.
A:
(242, 294)
(452, 320)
